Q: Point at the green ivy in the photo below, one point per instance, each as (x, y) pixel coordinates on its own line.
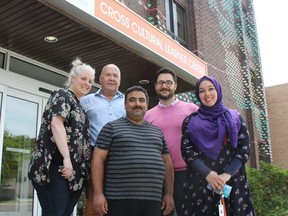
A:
(269, 189)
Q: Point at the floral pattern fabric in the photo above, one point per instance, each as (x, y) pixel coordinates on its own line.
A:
(63, 103)
(201, 201)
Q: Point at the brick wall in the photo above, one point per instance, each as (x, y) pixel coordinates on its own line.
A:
(220, 30)
(224, 36)
(277, 102)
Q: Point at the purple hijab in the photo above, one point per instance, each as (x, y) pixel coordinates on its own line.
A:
(207, 128)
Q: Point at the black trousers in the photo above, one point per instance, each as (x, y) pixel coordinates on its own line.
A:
(131, 207)
(179, 180)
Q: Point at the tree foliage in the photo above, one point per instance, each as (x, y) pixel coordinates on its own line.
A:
(12, 161)
(269, 189)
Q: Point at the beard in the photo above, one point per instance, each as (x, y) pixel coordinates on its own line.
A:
(165, 97)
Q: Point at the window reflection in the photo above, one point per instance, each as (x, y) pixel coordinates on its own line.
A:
(16, 192)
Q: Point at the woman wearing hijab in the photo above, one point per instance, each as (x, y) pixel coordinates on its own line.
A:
(215, 146)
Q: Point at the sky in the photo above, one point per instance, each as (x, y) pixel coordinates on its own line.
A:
(271, 17)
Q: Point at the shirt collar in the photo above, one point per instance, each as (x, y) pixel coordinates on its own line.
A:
(118, 93)
(171, 104)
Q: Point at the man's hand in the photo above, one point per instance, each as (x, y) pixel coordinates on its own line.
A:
(167, 204)
(100, 204)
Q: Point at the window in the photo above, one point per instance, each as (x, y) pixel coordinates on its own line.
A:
(36, 72)
(2, 56)
(39, 73)
(176, 21)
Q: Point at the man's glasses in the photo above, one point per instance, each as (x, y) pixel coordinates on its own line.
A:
(167, 83)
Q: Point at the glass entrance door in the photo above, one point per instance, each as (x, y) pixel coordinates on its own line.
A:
(19, 119)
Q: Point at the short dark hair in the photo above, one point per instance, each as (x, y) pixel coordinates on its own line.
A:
(136, 88)
(165, 71)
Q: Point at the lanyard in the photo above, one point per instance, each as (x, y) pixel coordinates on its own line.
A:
(221, 207)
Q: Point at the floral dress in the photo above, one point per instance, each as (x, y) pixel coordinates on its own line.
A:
(198, 199)
(63, 103)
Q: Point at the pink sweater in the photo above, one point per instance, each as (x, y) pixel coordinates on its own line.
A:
(169, 120)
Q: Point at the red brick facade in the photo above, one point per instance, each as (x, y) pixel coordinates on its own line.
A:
(277, 104)
(224, 36)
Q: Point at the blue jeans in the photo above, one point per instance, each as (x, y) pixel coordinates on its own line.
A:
(56, 199)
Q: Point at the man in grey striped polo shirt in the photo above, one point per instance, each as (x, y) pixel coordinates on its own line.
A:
(130, 163)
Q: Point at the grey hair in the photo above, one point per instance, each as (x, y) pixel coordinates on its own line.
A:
(78, 67)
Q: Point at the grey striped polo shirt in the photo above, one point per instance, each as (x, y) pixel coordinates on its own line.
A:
(134, 166)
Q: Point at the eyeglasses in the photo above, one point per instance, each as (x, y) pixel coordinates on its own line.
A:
(167, 83)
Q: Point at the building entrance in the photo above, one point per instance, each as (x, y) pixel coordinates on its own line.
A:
(20, 114)
(21, 106)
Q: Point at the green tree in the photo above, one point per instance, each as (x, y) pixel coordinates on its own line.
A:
(269, 190)
(11, 159)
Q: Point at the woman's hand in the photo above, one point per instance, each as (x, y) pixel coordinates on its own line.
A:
(67, 170)
(60, 136)
(215, 180)
(225, 177)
